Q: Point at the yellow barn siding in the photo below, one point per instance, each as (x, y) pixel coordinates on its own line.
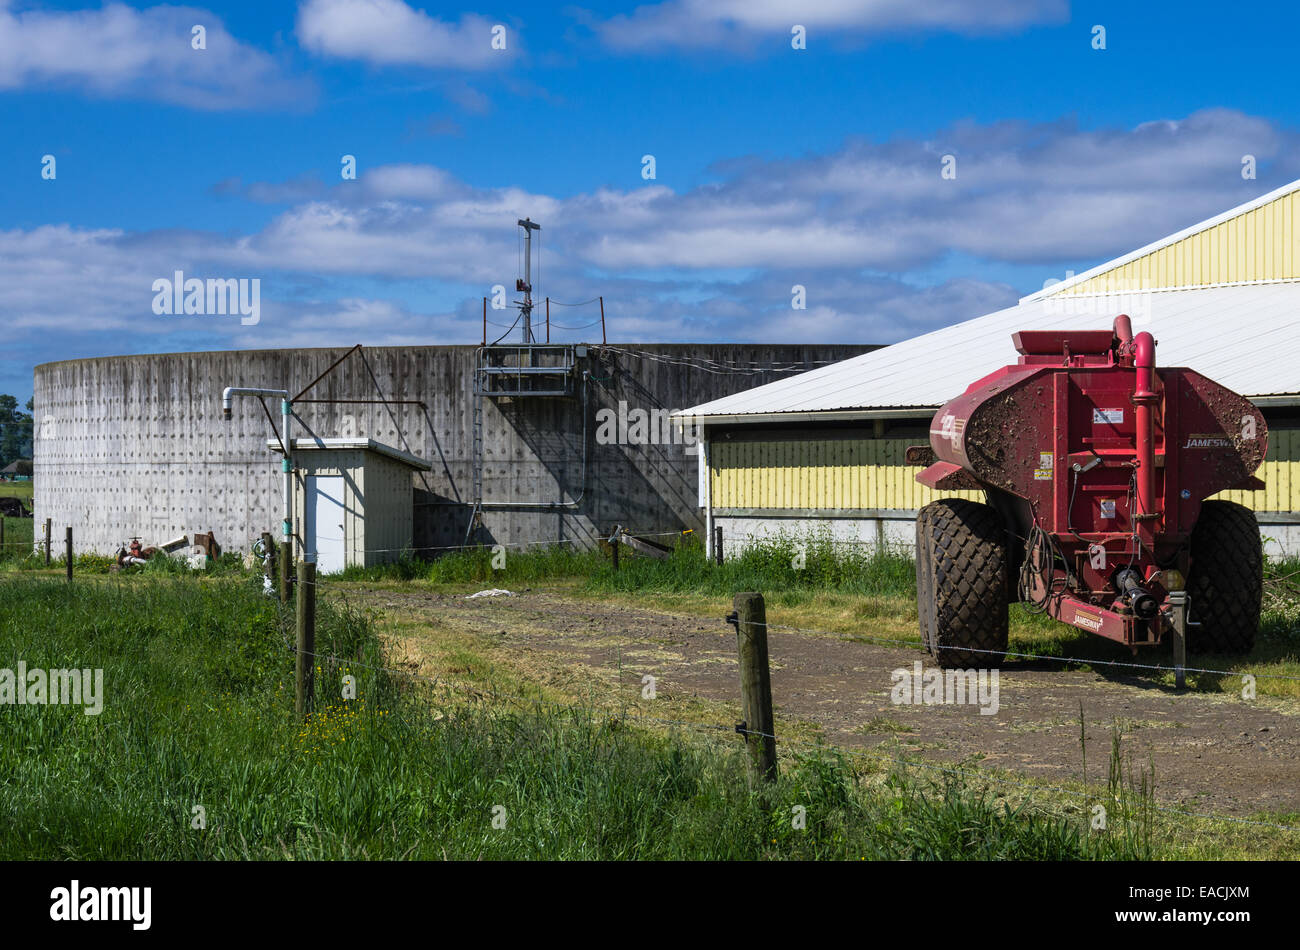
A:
(1259, 245)
(873, 473)
(1281, 475)
(835, 473)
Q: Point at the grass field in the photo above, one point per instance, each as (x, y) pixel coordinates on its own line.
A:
(18, 531)
(198, 720)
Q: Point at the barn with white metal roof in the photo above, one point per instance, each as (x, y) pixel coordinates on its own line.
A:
(824, 451)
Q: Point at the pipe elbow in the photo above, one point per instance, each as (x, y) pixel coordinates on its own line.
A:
(1123, 330)
(1144, 351)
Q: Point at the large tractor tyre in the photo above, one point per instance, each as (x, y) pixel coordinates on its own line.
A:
(965, 577)
(1225, 584)
(925, 580)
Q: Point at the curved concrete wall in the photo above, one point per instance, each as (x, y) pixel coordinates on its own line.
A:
(136, 445)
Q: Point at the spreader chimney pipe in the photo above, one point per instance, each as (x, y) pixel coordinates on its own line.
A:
(1144, 399)
(1123, 335)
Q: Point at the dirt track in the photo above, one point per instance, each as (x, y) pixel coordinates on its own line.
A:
(1210, 752)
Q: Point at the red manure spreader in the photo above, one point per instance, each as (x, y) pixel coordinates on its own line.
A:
(1096, 467)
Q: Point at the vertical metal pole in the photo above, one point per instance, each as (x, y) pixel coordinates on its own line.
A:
(526, 309)
(485, 321)
(286, 572)
(306, 656)
(717, 544)
(528, 284)
(69, 554)
(615, 555)
(286, 417)
(602, 320)
(1178, 607)
(756, 683)
(47, 541)
(548, 319)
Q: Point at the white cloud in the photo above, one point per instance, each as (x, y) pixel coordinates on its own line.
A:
(870, 229)
(740, 23)
(391, 33)
(120, 52)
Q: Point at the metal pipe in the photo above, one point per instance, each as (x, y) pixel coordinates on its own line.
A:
(1144, 398)
(286, 415)
(1124, 337)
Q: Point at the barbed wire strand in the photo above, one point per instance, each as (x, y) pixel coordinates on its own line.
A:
(722, 727)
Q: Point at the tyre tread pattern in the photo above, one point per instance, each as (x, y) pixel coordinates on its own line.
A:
(1226, 581)
(967, 581)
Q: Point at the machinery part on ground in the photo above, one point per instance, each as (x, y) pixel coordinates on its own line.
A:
(1098, 464)
(1226, 581)
(206, 544)
(13, 508)
(963, 564)
(133, 555)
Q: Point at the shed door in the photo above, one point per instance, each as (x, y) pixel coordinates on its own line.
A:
(324, 528)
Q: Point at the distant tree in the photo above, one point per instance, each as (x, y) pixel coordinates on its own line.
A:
(15, 430)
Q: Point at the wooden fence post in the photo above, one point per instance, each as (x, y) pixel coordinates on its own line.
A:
(755, 683)
(717, 544)
(1178, 607)
(69, 555)
(306, 655)
(48, 522)
(2, 535)
(615, 554)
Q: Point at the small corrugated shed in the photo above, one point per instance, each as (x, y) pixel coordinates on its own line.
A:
(353, 501)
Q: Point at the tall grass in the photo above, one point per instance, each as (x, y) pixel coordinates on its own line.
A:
(198, 724)
(18, 539)
(783, 563)
(1280, 620)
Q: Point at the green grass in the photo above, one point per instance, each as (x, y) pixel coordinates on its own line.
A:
(800, 568)
(18, 539)
(21, 490)
(198, 713)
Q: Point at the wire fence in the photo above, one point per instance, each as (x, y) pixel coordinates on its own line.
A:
(888, 641)
(894, 759)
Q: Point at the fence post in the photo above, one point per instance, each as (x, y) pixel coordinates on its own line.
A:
(616, 554)
(755, 683)
(306, 658)
(1178, 607)
(286, 572)
(48, 521)
(69, 555)
(717, 544)
(2, 535)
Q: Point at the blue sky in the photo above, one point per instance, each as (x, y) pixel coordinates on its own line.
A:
(774, 166)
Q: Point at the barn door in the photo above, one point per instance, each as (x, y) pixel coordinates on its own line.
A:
(324, 516)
